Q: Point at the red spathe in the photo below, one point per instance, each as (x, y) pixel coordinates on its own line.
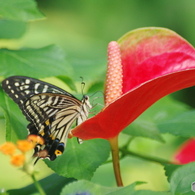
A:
(156, 62)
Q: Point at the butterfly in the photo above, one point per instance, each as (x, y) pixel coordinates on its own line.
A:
(51, 111)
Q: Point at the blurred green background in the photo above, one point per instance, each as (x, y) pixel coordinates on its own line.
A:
(83, 29)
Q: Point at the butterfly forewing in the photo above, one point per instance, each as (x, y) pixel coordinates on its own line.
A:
(50, 110)
(20, 88)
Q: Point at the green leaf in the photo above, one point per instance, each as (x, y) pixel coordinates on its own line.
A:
(67, 80)
(44, 62)
(23, 10)
(182, 124)
(144, 128)
(149, 192)
(52, 184)
(147, 125)
(96, 86)
(169, 170)
(14, 120)
(81, 160)
(182, 179)
(88, 188)
(85, 188)
(10, 29)
(88, 69)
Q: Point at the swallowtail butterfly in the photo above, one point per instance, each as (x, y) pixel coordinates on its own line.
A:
(50, 110)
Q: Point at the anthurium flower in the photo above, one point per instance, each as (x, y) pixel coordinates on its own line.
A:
(186, 152)
(154, 63)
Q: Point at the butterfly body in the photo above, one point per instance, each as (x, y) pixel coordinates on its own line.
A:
(50, 110)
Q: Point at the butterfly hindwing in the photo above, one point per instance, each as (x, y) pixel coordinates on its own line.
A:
(56, 109)
(50, 110)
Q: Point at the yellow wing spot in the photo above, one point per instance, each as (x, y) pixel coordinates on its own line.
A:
(58, 152)
(52, 137)
(47, 122)
(42, 132)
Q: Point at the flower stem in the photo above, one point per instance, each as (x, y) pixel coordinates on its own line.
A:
(115, 160)
(148, 158)
(126, 152)
(37, 185)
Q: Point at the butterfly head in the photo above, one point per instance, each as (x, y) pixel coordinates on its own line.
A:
(86, 102)
(50, 151)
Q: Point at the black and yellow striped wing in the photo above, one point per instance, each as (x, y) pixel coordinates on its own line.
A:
(50, 110)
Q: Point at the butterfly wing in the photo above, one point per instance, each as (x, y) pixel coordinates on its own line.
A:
(52, 116)
(50, 110)
(20, 88)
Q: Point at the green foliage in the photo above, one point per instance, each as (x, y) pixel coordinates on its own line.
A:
(23, 10)
(68, 81)
(82, 161)
(181, 124)
(57, 184)
(169, 169)
(15, 122)
(88, 188)
(7, 27)
(43, 62)
(182, 179)
(150, 123)
(79, 161)
(14, 15)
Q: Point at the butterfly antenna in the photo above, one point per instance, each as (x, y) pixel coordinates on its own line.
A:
(82, 85)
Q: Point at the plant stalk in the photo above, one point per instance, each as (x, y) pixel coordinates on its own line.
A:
(115, 160)
(148, 158)
(37, 185)
(125, 151)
